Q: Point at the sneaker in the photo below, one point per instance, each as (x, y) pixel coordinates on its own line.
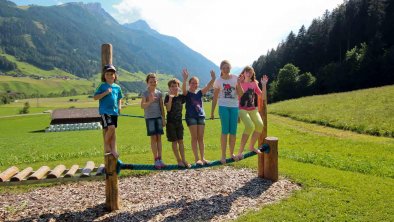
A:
(162, 164)
(157, 164)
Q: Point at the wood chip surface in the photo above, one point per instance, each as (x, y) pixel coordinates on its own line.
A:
(216, 194)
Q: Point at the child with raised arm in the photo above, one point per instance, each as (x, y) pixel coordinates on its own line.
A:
(248, 111)
(152, 103)
(195, 115)
(174, 128)
(226, 89)
(109, 95)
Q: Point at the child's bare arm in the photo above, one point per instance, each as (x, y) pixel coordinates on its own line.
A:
(145, 103)
(119, 105)
(238, 87)
(264, 81)
(214, 102)
(169, 103)
(163, 114)
(185, 75)
(101, 95)
(210, 84)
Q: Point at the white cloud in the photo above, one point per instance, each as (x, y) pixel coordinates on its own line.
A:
(239, 31)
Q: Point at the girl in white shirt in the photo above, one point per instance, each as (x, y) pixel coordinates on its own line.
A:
(227, 88)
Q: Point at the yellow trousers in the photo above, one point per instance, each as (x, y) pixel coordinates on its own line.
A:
(252, 120)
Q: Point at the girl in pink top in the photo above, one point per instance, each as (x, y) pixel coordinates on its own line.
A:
(248, 112)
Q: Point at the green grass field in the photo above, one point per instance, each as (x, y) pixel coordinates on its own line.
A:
(367, 111)
(345, 176)
(31, 86)
(39, 105)
(29, 70)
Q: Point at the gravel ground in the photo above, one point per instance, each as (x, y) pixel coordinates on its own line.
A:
(218, 194)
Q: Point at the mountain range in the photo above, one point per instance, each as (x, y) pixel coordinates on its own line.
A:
(69, 37)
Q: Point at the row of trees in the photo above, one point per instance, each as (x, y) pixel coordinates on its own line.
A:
(6, 65)
(8, 97)
(350, 48)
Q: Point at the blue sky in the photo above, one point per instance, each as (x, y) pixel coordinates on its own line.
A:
(239, 31)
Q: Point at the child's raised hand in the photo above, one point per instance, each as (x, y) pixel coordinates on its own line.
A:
(264, 79)
(213, 75)
(185, 74)
(241, 78)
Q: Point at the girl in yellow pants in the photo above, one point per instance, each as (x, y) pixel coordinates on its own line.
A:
(248, 112)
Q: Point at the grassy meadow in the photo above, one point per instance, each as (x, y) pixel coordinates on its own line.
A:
(345, 176)
(29, 70)
(367, 111)
(31, 86)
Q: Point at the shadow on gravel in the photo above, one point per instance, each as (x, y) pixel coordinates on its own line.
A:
(87, 215)
(199, 210)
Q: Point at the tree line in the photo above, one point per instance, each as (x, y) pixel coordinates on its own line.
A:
(346, 49)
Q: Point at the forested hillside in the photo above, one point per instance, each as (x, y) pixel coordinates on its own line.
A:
(69, 37)
(350, 48)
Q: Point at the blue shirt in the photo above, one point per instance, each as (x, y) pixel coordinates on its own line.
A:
(194, 105)
(109, 103)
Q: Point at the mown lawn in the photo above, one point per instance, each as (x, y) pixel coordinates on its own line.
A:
(345, 176)
(367, 111)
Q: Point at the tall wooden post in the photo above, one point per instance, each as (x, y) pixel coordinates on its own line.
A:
(271, 160)
(111, 178)
(106, 55)
(262, 107)
(111, 183)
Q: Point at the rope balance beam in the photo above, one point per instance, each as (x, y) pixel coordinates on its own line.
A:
(121, 166)
(142, 117)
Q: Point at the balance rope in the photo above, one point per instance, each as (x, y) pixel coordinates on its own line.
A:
(121, 166)
(142, 117)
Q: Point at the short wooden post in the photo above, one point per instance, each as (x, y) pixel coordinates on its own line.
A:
(271, 160)
(71, 172)
(262, 107)
(100, 170)
(88, 169)
(6, 175)
(111, 178)
(57, 171)
(40, 173)
(21, 175)
(111, 183)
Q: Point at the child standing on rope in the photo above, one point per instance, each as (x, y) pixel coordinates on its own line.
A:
(248, 112)
(226, 89)
(109, 95)
(152, 103)
(174, 128)
(195, 115)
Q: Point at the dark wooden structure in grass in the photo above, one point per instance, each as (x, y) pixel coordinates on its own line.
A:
(75, 115)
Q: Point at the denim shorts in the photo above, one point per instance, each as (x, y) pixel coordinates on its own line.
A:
(154, 126)
(190, 121)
